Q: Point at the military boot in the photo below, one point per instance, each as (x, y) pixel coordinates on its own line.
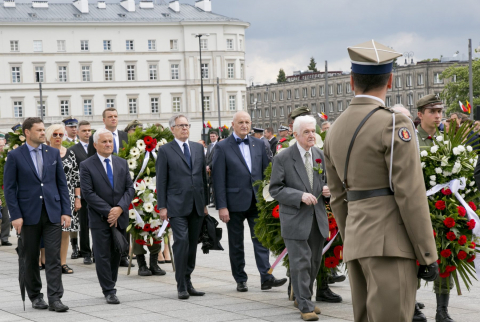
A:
(142, 266)
(75, 252)
(154, 268)
(442, 308)
(418, 315)
(325, 294)
(333, 277)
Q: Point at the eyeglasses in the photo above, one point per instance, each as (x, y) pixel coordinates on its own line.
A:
(183, 126)
(60, 135)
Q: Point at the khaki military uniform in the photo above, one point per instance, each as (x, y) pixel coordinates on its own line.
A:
(384, 235)
(424, 139)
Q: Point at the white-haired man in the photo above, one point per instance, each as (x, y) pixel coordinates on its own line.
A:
(108, 189)
(296, 184)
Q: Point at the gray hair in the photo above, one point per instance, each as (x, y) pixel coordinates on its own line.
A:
(326, 122)
(401, 109)
(171, 121)
(52, 128)
(97, 134)
(304, 119)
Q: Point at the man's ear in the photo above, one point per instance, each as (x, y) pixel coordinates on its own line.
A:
(390, 81)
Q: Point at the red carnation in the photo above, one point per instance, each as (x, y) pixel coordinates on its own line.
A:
(318, 161)
(168, 225)
(471, 259)
(471, 224)
(462, 255)
(331, 262)
(332, 223)
(472, 205)
(446, 192)
(472, 245)
(462, 240)
(461, 211)
(450, 268)
(338, 251)
(446, 253)
(148, 140)
(451, 236)
(156, 209)
(130, 207)
(449, 222)
(276, 212)
(141, 242)
(434, 234)
(146, 227)
(444, 274)
(157, 242)
(138, 203)
(440, 205)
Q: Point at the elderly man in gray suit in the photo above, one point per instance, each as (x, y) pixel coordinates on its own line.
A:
(300, 189)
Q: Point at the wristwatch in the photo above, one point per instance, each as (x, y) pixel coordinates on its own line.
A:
(78, 197)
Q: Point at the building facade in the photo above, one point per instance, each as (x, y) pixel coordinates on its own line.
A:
(142, 59)
(270, 104)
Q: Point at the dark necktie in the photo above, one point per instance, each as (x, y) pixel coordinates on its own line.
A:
(109, 171)
(186, 152)
(39, 162)
(245, 140)
(114, 144)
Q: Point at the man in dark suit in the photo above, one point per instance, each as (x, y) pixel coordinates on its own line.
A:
(81, 154)
(182, 197)
(238, 162)
(37, 196)
(214, 140)
(296, 185)
(108, 189)
(272, 140)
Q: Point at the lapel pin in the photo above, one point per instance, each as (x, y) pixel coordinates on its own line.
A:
(253, 144)
(46, 150)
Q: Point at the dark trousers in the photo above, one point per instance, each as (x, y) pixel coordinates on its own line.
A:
(186, 231)
(107, 260)
(236, 246)
(52, 236)
(85, 250)
(5, 228)
(140, 250)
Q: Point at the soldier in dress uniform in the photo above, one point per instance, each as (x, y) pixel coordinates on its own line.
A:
(71, 127)
(378, 194)
(283, 131)
(132, 126)
(258, 133)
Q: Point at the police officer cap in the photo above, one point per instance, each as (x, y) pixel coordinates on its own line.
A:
(257, 130)
(70, 121)
(430, 101)
(132, 125)
(304, 110)
(283, 128)
(2, 136)
(372, 58)
(16, 127)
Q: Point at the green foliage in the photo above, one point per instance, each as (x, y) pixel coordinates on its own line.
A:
(67, 144)
(459, 90)
(281, 78)
(313, 65)
(15, 140)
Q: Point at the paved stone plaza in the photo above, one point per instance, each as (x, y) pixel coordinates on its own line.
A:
(155, 298)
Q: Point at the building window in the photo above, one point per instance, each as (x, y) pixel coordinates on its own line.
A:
(305, 94)
(204, 71)
(420, 95)
(348, 103)
(87, 107)
(129, 45)
(259, 114)
(252, 98)
(348, 88)
(282, 111)
(454, 78)
(176, 104)
(131, 72)
(274, 112)
(40, 109)
(330, 107)
(339, 88)
(322, 107)
(109, 72)
(86, 73)
(232, 102)
(330, 89)
(410, 99)
(280, 94)
(154, 104)
(37, 46)
(132, 105)
(61, 45)
(297, 93)
(289, 94)
(313, 91)
(13, 45)
(409, 80)
(231, 70)
(16, 75)
(18, 109)
(206, 103)
(152, 44)
(436, 78)
(174, 44)
(322, 90)
(253, 114)
(152, 70)
(289, 109)
(267, 113)
(174, 71)
(204, 44)
(398, 99)
(398, 81)
(265, 96)
(62, 73)
(83, 45)
(110, 103)
(107, 45)
(242, 71)
(274, 96)
(339, 106)
(229, 44)
(388, 101)
(39, 76)
(64, 110)
(314, 107)
(420, 79)
(259, 98)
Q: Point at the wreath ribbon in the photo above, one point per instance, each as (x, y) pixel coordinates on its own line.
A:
(138, 218)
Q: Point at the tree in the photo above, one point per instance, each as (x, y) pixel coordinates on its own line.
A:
(313, 65)
(281, 78)
(459, 90)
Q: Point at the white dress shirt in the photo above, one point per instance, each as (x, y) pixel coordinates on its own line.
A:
(180, 144)
(85, 146)
(245, 150)
(117, 140)
(372, 97)
(102, 159)
(302, 153)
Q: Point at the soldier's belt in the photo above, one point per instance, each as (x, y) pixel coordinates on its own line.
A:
(365, 194)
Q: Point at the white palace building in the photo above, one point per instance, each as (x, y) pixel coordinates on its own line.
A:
(141, 58)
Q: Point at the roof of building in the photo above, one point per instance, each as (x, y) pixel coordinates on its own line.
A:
(114, 12)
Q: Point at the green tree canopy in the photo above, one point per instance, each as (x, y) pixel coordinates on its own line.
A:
(313, 65)
(281, 78)
(459, 90)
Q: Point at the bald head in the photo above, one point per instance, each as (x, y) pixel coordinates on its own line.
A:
(240, 114)
(241, 124)
(401, 109)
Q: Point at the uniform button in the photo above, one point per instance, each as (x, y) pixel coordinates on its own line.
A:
(41, 197)
(41, 184)
(427, 254)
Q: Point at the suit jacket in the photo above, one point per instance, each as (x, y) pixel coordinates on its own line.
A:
(98, 192)
(209, 155)
(267, 148)
(123, 136)
(232, 181)
(397, 225)
(25, 191)
(288, 183)
(79, 151)
(273, 145)
(178, 186)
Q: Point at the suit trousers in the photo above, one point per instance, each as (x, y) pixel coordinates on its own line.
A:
(52, 236)
(236, 233)
(5, 227)
(186, 231)
(85, 250)
(107, 259)
(305, 257)
(383, 288)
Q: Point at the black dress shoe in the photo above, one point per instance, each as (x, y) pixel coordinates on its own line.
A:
(335, 278)
(421, 306)
(58, 306)
(325, 294)
(112, 299)
(124, 262)
(39, 304)
(193, 292)
(6, 243)
(87, 261)
(242, 287)
(418, 316)
(273, 282)
(183, 295)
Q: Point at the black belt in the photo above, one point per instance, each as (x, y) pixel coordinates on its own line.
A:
(365, 194)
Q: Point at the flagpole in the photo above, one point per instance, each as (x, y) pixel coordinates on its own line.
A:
(470, 76)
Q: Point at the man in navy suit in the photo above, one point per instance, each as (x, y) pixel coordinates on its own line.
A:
(108, 189)
(37, 196)
(238, 162)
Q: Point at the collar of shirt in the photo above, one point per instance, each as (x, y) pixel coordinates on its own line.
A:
(237, 137)
(303, 151)
(372, 97)
(31, 148)
(102, 159)
(180, 144)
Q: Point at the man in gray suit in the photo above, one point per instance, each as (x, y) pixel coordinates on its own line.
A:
(182, 197)
(299, 188)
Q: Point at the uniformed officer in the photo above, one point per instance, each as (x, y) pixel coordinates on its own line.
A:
(378, 194)
(258, 133)
(71, 126)
(283, 131)
(131, 127)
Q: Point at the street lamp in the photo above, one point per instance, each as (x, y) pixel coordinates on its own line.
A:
(408, 55)
(199, 36)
